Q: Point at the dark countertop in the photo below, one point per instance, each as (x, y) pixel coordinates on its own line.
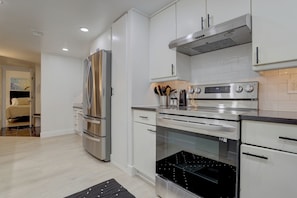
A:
(284, 117)
(146, 108)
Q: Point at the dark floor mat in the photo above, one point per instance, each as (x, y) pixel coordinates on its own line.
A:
(108, 189)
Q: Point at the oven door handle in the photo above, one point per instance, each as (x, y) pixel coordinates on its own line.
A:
(213, 127)
(200, 125)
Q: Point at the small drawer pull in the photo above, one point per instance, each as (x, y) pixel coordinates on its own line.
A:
(287, 138)
(143, 117)
(257, 156)
(150, 130)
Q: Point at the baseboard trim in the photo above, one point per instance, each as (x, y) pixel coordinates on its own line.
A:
(129, 169)
(46, 134)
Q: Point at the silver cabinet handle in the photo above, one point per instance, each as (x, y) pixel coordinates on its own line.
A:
(143, 117)
(202, 23)
(172, 69)
(253, 155)
(257, 55)
(287, 138)
(208, 18)
(150, 130)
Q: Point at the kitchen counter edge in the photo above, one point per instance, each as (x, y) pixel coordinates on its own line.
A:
(284, 117)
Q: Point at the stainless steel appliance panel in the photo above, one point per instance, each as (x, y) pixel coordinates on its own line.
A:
(96, 147)
(94, 127)
(197, 146)
(97, 105)
(234, 32)
(207, 166)
(168, 189)
(96, 88)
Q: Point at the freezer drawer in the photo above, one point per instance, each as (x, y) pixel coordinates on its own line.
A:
(96, 147)
(94, 127)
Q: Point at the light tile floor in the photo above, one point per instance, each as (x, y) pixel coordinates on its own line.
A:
(31, 167)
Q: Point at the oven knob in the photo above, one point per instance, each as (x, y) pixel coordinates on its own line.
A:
(190, 90)
(249, 88)
(239, 89)
(198, 90)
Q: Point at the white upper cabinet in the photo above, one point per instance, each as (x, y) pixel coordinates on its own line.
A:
(190, 16)
(224, 10)
(195, 15)
(162, 31)
(164, 62)
(274, 34)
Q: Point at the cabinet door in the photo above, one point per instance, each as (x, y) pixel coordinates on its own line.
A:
(274, 31)
(162, 31)
(188, 16)
(145, 149)
(119, 99)
(273, 177)
(221, 11)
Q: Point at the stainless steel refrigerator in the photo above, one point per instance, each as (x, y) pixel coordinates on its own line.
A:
(97, 105)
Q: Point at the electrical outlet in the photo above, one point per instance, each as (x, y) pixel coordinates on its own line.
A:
(292, 86)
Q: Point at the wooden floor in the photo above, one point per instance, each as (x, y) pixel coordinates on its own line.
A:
(20, 131)
(56, 167)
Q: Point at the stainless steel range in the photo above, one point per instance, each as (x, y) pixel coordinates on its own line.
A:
(198, 145)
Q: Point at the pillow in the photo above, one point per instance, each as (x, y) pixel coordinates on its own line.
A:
(20, 101)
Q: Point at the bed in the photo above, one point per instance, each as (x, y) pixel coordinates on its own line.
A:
(18, 113)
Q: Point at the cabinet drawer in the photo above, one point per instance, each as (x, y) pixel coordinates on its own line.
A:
(146, 117)
(271, 135)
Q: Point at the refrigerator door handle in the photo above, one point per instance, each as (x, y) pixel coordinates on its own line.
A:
(89, 85)
(92, 120)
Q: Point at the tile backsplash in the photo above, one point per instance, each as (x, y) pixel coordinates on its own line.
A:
(274, 93)
(234, 65)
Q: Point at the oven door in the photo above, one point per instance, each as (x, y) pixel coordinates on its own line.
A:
(204, 165)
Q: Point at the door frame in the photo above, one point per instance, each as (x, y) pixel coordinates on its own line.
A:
(31, 70)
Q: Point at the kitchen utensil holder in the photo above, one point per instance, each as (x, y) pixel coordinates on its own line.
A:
(164, 100)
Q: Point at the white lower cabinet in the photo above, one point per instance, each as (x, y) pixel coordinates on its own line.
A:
(267, 173)
(77, 116)
(144, 146)
(268, 161)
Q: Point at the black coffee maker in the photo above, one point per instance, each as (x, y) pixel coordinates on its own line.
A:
(183, 97)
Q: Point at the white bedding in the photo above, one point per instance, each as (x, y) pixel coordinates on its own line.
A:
(15, 111)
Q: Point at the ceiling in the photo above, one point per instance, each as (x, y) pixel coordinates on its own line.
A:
(29, 27)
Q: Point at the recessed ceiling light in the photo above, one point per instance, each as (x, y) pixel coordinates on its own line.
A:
(65, 49)
(84, 29)
(1, 2)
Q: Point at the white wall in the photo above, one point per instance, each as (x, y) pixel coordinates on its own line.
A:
(103, 41)
(61, 83)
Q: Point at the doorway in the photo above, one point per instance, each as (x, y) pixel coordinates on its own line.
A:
(18, 100)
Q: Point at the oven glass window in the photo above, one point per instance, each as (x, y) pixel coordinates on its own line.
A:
(202, 164)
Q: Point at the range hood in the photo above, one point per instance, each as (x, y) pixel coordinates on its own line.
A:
(228, 34)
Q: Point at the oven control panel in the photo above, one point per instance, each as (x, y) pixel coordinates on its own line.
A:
(238, 90)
